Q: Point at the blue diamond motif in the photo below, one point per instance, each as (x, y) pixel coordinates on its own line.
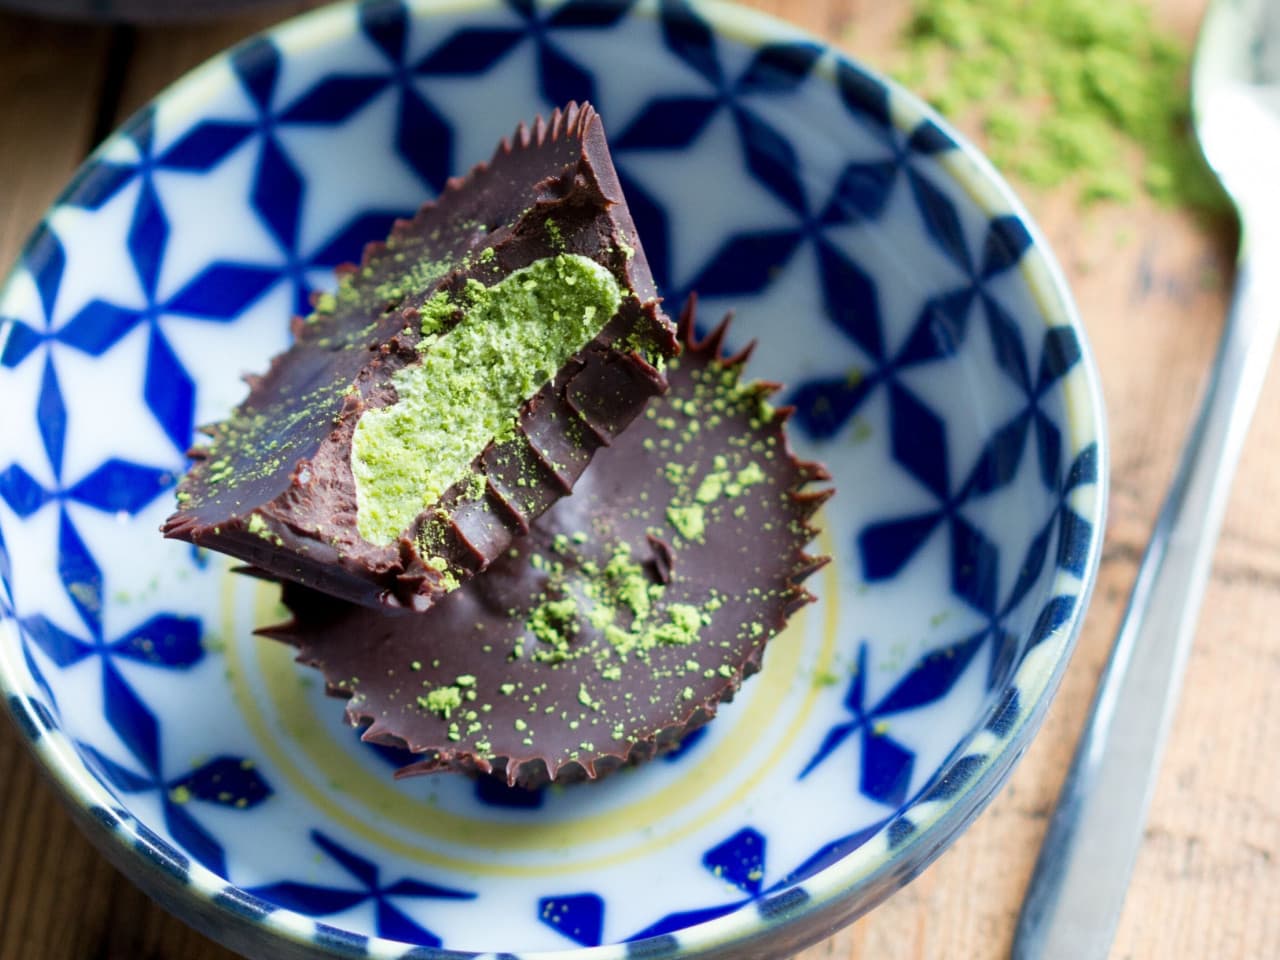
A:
(225, 781)
(580, 917)
(392, 922)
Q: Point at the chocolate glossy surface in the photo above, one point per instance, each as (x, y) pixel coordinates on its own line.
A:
(274, 487)
(618, 624)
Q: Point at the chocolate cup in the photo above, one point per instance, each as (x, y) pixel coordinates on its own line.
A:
(531, 709)
(275, 488)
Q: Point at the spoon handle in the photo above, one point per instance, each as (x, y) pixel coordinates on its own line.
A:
(1073, 903)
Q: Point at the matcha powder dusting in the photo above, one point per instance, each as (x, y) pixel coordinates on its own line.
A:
(1065, 91)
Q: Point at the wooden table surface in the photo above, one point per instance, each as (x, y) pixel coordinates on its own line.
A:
(1152, 286)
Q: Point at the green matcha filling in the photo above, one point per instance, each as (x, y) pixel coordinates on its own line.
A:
(512, 339)
(690, 519)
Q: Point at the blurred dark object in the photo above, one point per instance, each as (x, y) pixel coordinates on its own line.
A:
(136, 11)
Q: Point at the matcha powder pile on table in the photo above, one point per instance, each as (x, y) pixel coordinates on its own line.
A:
(1065, 90)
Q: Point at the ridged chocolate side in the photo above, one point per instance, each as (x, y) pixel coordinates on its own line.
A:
(274, 486)
(564, 718)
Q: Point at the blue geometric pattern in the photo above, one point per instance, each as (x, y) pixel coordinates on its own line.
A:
(391, 922)
(886, 765)
(559, 79)
(580, 917)
(740, 862)
(956, 410)
(218, 295)
(743, 264)
(165, 640)
(230, 782)
(920, 448)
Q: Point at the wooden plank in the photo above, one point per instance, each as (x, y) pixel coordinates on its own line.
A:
(1208, 879)
(47, 75)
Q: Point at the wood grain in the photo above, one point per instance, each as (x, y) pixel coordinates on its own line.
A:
(46, 120)
(1152, 287)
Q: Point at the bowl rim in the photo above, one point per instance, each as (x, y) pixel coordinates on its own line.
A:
(821, 902)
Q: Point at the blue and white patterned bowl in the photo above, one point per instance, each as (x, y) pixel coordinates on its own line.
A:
(893, 282)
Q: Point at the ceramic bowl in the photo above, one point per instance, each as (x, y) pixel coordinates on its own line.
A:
(894, 284)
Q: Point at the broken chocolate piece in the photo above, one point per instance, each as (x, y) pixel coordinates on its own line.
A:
(631, 610)
(453, 388)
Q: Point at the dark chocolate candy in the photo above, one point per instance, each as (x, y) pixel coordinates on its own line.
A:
(630, 611)
(275, 485)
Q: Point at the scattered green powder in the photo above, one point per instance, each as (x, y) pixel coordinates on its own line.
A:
(1065, 90)
(712, 486)
(690, 521)
(442, 701)
(554, 622)
(420, 275)
(554, 234)
(619, 601)
(748, 476)
(87, 594)
(448, 579)
(258, 527)
(629, 582)
(682, 628)
(513, 338)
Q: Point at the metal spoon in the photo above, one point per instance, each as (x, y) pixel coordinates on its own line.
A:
(1073, 904)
